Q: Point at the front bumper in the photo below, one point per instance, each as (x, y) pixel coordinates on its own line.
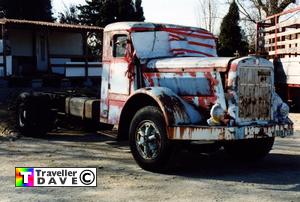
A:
(215, 133)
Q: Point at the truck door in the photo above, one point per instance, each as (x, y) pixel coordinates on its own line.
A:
(115, 69)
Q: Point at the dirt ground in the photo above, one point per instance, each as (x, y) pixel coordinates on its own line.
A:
(194, 177)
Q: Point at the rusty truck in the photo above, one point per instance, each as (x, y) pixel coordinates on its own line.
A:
(163, 86)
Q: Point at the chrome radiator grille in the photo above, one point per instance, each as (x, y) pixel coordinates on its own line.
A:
(255, 93)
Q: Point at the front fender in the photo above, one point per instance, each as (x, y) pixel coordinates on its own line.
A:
(175, 110)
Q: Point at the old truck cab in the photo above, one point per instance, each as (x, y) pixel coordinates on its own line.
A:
(163, 85)
(165, 82)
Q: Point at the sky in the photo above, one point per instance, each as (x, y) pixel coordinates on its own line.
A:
(181, 12)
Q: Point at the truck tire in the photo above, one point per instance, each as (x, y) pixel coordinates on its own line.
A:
(34, 116)
(148, 139)
(252, 149)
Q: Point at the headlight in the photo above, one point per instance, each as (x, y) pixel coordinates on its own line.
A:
(280, 109)
(284, 110)
(217, 114)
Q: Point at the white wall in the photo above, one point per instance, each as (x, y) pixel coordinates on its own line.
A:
(21, 42)
(80, 71)
(65, 43)
(8, 66)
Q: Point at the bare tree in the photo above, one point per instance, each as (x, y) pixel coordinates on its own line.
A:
(271, 7)
(253, 11)
(206, 14)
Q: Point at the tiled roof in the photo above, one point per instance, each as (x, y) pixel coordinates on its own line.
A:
(48, 24)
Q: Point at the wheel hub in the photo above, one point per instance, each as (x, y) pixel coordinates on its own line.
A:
(148, 140)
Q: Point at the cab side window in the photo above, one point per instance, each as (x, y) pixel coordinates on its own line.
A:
(119, 45)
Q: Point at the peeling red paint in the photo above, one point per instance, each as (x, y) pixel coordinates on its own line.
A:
(213, 81)
(180, 74)
(207, 102)
(149, 77)
(118, 97)
(203, 34)
(151, 82)
(117, 103)
(130, 54)
(201, 44)
(204, 102)
(193, 74)
(233, 67)
(191, 51)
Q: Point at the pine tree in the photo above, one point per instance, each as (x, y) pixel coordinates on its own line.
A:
(126, 11)
(230, 39)
(139, 11)
(27, 10)
(108, 12)
(69, 16)
(96, 12)
(104, 12)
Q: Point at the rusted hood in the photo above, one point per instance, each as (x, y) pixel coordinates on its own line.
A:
(205, 63)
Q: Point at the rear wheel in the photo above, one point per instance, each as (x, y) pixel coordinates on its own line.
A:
(34, 115)
(252, 149)
(148, 140)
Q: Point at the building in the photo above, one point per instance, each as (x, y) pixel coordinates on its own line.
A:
(34, 48)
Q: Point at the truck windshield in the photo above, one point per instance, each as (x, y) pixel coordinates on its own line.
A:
(172, 43)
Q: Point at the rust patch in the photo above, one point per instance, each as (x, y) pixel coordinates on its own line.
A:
(222, 135)
(228, 133)
(182, 130)
(255, 94)
(196, 133)
(174, 108)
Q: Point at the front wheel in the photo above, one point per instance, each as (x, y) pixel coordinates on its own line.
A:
(148, 140)
(252, 149)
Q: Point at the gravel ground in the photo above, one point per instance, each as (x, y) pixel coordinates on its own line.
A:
(194, 177)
